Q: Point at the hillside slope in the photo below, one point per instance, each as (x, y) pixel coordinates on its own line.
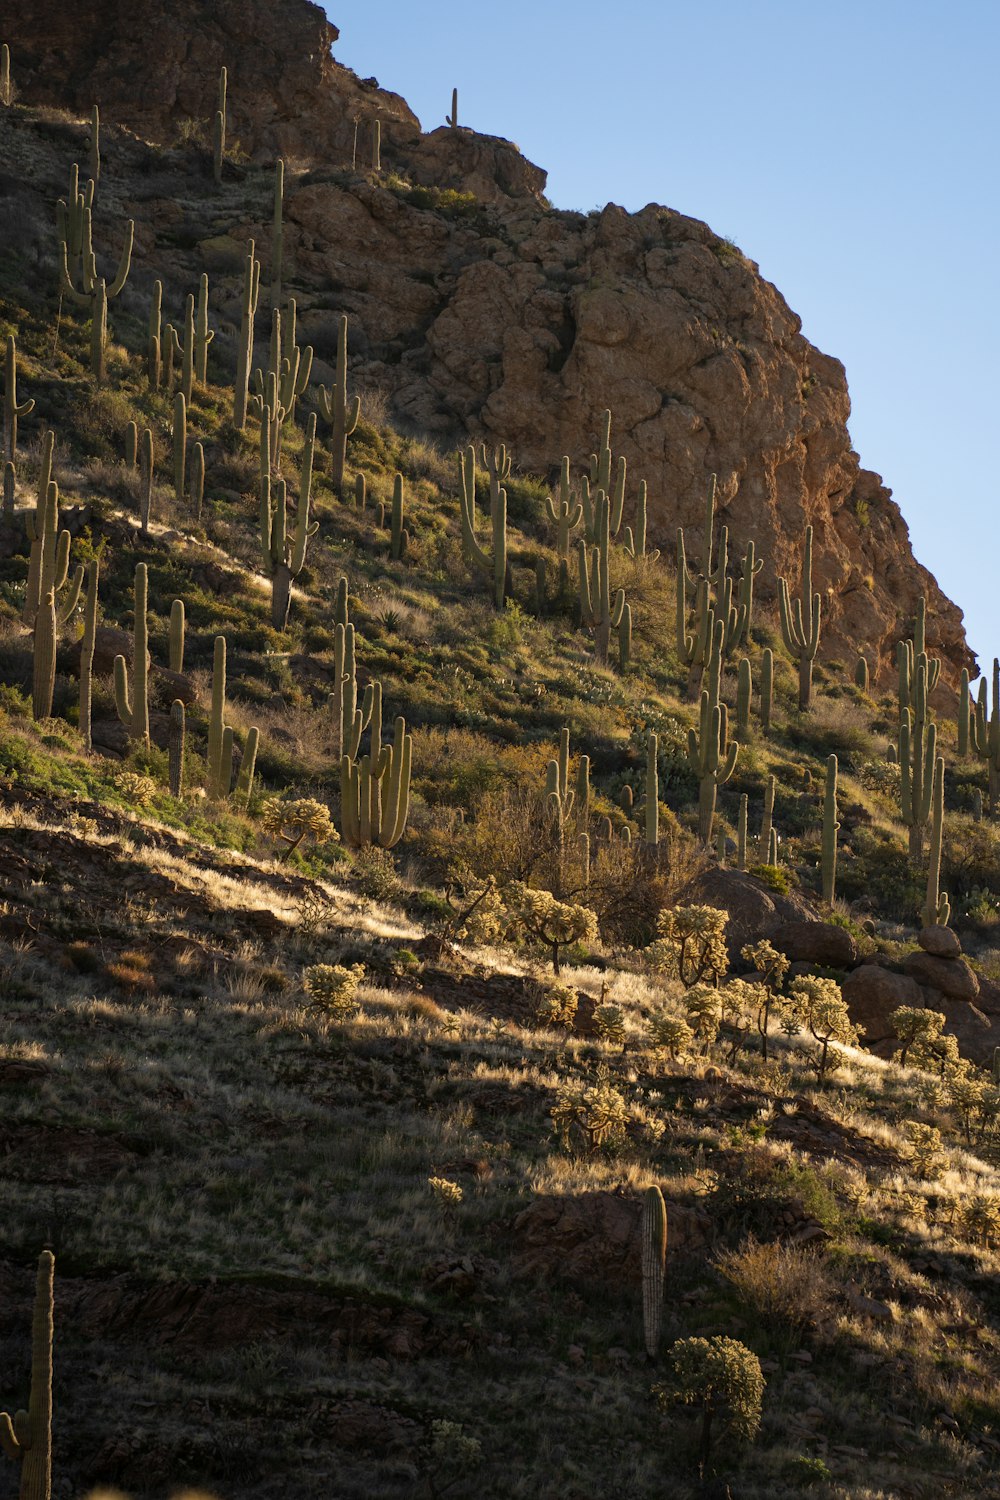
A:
(506, 319)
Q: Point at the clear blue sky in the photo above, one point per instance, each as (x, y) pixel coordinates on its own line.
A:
(847, 146)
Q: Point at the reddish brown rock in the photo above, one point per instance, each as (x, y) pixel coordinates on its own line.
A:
(495, 316)
(814, 942)
(595, 1237)
(872, 993)
(940, 942)
(948, 976)
(755, 911)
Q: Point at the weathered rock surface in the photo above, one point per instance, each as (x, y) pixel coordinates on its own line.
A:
(596, 1237)
(754, 910)
(814, 942)
(499, 317)
(942, 942)
(951, 977)
(872, 994)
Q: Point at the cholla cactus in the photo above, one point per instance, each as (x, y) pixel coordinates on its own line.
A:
(557, 1005)
(136, 788)
(292, 821)
(596, 1111)
(772, 966)
(692, 944)
(720, 1376)
(670, 1034)
(981, 1219)
(704, 1008)
(915, 1028)
(554, 923)
(333, 987)
(452, 1450)
(448, 1194)
(743, 1004)
(925, 1148)
(820, 1007)
(609, 1023)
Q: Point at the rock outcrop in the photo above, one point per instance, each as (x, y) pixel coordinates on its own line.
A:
(493, 315)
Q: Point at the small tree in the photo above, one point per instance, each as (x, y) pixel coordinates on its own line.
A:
(691, 945)
(772, 966)
(554, 923)
(820, 1007)
(723, 1378)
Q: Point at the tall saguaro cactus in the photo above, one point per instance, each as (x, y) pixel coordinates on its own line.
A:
(244, 357)
(12, 410)
(565, 513)
(712, 758)
(27, 1437)
(476, 554)
(652, 796)
(133, 707)
(375, 793)
(277, 233)
(800, 623)
(79, 279)
(87, 652)
(597, 610)
(338, 411)
(219, 128)
(917, 752)
(284, 555)
(830, 830)
(48, 571)
(985, 734)
(654, 1255)
(937, 907)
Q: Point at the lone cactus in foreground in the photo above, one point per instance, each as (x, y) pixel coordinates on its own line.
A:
(27, 1438)
(654, 1251)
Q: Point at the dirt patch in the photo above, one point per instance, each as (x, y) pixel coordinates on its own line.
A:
(40, 1153)
(595, 1238)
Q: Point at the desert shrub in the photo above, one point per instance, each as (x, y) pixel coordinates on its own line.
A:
(783, 1285)
(373, 873)
(881, 875)
(775, 877)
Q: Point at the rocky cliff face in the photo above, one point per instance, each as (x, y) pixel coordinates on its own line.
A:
(499, 317)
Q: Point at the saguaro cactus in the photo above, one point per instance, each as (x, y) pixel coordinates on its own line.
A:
(219, 129)
(154, 362)
(564, 513)
(87, 652)
(133, 708)
(744, 692)
(373, 813)
(284, 556)
(176, 740)
(964, 713)
(203, 335)
(452, 119)
(48, 570)
(477, 555)
(654, 1258)
(6, 86)
(830, 830)
(244, 358)
(180, 445)
(78, 270)
(652, 796)
(937, 908)
(597, 612)
(766, 689)
(11, 409)
(277, 233)
(341, 414)
(399, 538)
(800, 623)
(712, 759)
(216, 722)
(94, 145)
(917, 751)
(985, 734)
(27, 1438)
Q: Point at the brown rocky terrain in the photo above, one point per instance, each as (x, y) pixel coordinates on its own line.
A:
(503, 318)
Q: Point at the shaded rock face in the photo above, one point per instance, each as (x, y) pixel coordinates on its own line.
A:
(754, 910)
(596, 1237)
(512, 321)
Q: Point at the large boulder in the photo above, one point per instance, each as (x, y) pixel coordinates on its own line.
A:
(755, 911)
(596, 1238)
(977, 1033)
(940, 941)
(813, 942)
(872, 993)
(951, 977)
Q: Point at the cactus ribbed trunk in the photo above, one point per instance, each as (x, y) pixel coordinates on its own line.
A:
(654, 1251)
